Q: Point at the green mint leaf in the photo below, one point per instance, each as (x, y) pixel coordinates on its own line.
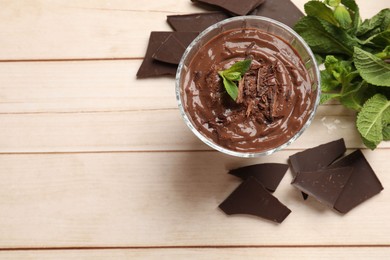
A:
(385, 54)
(372, 69)
(240, 66)
(328, 82)
(355, 13)
(379, 40)
(320, 11)
(325, 97)
(234, 73)
(354, 95)
(369, 144)
(234, 76)
(342, 16)
(386, 133)
(323, 41)
(370, 119)
(332, 3)
(380, 21)
(231, 88)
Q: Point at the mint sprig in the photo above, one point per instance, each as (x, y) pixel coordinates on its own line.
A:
(232, 75)
(356, 58)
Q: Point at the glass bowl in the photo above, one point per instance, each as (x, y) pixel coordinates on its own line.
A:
(264, 24)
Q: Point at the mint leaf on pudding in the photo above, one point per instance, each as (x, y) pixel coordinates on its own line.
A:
(232, 74)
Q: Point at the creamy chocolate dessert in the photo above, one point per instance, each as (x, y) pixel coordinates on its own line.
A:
(275, 97)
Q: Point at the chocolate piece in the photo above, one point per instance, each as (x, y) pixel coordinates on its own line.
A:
(172, 49)
(325, 185)
(268, 174)
(151, 67)
(238, 7)
(281, 10)
(362, 185)
(195, 22)
(253, 199)
(316, 158)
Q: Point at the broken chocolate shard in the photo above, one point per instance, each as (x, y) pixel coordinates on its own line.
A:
(237, 7)
(268, 174)
(253, 199)
(362, 185)
(278, 10)
(172, 49)
(195, 22)
(316, 158)
(151, 67)
(324, 185)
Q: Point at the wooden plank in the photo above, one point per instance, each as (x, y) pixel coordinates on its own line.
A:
(137, 131)
(43, 29)
(165, 199)
(362, 253)
(81, 86)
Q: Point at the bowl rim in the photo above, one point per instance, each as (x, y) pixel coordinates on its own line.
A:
(216, 146)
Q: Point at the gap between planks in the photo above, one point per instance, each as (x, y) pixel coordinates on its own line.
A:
(193, 247)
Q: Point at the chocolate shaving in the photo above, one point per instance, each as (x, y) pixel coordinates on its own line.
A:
(240, 90)
(253, 199)
(268, 174)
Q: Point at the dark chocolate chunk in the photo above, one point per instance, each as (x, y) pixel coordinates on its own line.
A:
(362, 185)
(252, 198)
(281, 10)
(172, 49)
(195, 22)
(268, 174)
(238, 7)
(151, 67)
(324, 185)
(316, 158)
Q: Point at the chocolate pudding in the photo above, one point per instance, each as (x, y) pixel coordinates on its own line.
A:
(275, 96)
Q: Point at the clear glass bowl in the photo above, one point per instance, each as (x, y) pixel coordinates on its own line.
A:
(264, 24)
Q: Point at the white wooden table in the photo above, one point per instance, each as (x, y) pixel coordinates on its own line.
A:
(95, 164)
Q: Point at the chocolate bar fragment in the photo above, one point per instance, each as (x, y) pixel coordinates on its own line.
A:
(268, 174)
(151, 67)
(237, 7)
(253, 199)
(362, 185)
(325, 185)
(281, 10)
(316, 158)
(172, 49)
(195, 22)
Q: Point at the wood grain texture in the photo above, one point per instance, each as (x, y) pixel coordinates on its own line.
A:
(363, 253)
(165, 199)
(43, 29)
(92, 157)
(138, 131)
